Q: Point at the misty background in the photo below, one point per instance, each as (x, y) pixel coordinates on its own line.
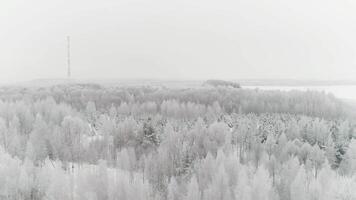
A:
(160, 39)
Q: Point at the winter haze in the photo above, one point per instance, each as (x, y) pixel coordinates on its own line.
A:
(178, 100)
(183, 39)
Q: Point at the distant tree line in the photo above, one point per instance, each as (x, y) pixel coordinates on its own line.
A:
(311, 103)
(222, 83)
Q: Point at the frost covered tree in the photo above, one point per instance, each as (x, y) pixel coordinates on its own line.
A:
(219, 187)
(4, 134)
(299, 188)
(193, 192)
(38, 145)
(173, 192)
(261, 186)
(91, 112)
(348, 165)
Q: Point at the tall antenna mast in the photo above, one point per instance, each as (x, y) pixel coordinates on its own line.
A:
(68, 57)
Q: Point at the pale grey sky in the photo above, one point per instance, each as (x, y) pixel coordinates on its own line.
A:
(178, 39)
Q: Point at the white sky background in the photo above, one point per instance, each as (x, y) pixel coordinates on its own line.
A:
(178, 39)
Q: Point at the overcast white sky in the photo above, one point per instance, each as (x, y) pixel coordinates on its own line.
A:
(178, 39)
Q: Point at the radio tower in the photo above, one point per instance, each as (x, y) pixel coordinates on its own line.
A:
(68, 57)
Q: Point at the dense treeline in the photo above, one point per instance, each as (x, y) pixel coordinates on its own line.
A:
(90, 142)
(221, 83)
(231, 100)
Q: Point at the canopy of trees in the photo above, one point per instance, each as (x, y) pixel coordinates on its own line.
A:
(93, 142)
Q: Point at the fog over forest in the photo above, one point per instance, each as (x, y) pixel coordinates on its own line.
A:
(177, 100)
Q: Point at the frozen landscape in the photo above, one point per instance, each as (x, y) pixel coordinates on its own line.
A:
(216, 141)
(177, 100)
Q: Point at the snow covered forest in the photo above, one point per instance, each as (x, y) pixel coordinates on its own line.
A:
(94, 142)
